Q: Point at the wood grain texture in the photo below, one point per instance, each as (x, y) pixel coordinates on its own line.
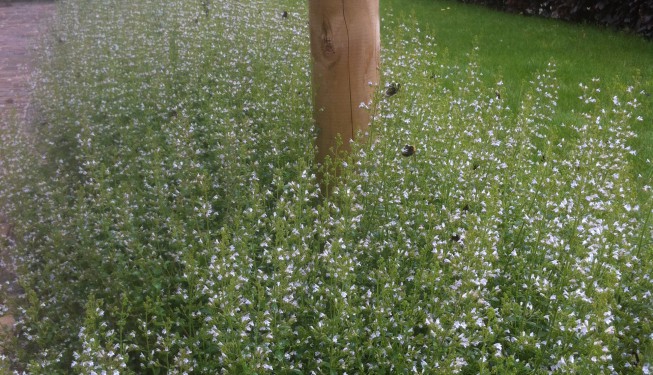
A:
(345, 46)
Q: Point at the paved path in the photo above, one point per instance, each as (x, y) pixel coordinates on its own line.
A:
(20, 25)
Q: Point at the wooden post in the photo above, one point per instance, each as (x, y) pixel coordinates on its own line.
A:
(345, 45)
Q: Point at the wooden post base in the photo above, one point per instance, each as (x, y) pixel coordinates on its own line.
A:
(345, 45)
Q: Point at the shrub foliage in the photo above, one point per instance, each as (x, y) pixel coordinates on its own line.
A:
(632, 15)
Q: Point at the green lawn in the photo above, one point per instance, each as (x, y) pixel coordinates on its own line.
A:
(513, 47)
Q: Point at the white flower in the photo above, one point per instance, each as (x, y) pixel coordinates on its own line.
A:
(497, 346)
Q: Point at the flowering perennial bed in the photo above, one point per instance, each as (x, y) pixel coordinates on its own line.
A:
(169, 219)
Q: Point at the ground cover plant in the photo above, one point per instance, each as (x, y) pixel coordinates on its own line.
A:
(168, 217)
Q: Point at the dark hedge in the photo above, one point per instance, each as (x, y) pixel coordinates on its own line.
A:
(631, 15)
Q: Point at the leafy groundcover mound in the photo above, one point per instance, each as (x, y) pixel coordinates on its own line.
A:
(169, 221)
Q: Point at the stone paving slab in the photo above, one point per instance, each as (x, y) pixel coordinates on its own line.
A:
(21, 24)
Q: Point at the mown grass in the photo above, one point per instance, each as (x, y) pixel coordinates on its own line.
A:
(514, 46)
(168, 218)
